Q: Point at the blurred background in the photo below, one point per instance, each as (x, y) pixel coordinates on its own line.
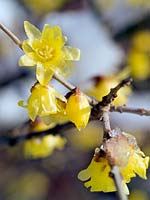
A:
(114, 37)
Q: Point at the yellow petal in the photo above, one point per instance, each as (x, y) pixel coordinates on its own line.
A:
(26, 61)
(52, 34)
(71, 53)
(26, 46)
(33, 107)
(46, 31)
(31, 31)
(43, 75)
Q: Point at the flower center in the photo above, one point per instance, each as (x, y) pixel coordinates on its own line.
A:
(44, 51)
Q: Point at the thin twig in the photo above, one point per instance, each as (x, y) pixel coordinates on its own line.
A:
(123, 109)
(115, 170)
(106, 124)
(11, 35)
(64, 82)
(97, 109)
(113, 92)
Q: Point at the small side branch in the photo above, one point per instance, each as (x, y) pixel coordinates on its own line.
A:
(113, 92)
(137, 111)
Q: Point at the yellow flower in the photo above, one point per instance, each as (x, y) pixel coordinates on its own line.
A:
(97, 176)
(43, 147)
(44, 6)
(102, 87)
(78, 109)
(46, 51)
(141, 41)
(42, 101)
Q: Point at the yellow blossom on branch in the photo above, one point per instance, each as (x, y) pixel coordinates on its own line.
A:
(78, 109)
(130, 162)
(97, 177)
(43, 147)
(42, 101)
(46, 51)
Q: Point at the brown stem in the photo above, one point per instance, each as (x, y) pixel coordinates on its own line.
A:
(122, 109)
(11, 35)
(113, 92)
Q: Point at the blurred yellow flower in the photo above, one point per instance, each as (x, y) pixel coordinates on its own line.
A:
(141, 41)
(87, 139)
(44, 6)
(46, 51)
(43, 147)
(138, 57)
(102, 87)
(138, 195)
(78, 109)
(139, 65)
(42, 101)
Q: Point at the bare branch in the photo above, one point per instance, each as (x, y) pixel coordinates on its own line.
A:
(11, 35)
(122, 109)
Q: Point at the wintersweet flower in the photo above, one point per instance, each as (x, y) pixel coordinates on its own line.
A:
(78, 109)
(97, 175)
(43, 147)
(46, 51)
(102, 87)
(42, 101)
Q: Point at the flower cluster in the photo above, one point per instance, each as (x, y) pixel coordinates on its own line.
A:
(48, 53)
